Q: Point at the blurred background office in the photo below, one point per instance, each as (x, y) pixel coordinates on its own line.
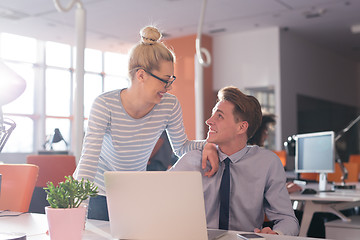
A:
(299, 58)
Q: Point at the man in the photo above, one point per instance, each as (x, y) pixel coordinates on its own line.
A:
(261, 135)
(257, 179)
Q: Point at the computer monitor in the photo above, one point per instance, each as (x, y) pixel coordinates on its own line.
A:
(315, 153)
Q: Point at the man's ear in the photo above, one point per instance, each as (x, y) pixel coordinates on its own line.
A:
(243, 127)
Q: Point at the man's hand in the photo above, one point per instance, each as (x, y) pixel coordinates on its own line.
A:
(210, 154)
(265, 230)
(292, 187)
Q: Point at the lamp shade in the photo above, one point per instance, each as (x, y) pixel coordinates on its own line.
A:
(11, 85)
(57, 136)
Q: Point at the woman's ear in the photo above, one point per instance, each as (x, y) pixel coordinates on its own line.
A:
(140, 75)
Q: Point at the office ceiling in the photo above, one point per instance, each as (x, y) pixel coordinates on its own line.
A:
(114, 24)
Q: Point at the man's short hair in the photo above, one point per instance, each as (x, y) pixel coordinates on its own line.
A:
(267, 120)
(246, 107)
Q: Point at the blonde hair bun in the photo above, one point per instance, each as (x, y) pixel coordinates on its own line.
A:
(150, 35)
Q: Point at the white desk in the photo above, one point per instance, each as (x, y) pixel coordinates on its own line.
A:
(338, 229)
(331, 202)
(35, 226)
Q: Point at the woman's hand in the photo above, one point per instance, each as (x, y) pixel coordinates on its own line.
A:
(210, 154)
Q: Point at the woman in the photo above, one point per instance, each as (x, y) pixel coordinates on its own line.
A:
(261, 135)
(124, 125)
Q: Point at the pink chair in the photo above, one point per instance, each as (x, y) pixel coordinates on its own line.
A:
(52, 168)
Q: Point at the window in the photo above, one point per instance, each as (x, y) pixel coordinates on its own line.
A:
(21, 139)
(19, 54)
(58, 92)
(18, 48)
(58, 55)
(93, 85)
(266, 98)
(49, 71)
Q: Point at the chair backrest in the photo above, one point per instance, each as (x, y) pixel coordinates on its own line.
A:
(309, 176)
(52, 168)
(282, 155)
(354, 158)
(352, 168)
(17, 186)
(353, 173)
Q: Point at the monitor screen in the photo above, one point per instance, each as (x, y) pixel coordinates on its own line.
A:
(315, 152)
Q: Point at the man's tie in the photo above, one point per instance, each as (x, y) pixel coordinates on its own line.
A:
(224, 197)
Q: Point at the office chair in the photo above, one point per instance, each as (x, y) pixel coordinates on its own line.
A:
(353, 173)
(282, 155)
(18, 182)
(52, 168)
(309, 176)
(354, 158)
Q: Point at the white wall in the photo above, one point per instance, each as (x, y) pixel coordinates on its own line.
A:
(249, 59)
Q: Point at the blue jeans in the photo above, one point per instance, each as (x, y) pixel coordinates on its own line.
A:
(98, 208)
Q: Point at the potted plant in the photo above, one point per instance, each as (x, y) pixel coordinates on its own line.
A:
(66, 215)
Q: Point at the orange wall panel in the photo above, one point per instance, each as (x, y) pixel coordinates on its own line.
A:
(184, 86)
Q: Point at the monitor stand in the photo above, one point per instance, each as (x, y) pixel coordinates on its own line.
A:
(322, 181)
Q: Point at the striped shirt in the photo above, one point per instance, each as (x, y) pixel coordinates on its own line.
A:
(115, 141)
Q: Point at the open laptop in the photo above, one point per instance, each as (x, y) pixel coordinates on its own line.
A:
(156, 205)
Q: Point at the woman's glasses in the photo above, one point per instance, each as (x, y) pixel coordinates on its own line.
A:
(167, 82)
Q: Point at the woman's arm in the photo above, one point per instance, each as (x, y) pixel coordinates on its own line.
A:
(181, 144)
(98, 121)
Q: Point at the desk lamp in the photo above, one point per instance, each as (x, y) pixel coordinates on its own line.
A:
(55, 138)
(11, 87)
(340, 162)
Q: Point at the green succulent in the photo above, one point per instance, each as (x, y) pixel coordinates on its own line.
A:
(70, 193)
